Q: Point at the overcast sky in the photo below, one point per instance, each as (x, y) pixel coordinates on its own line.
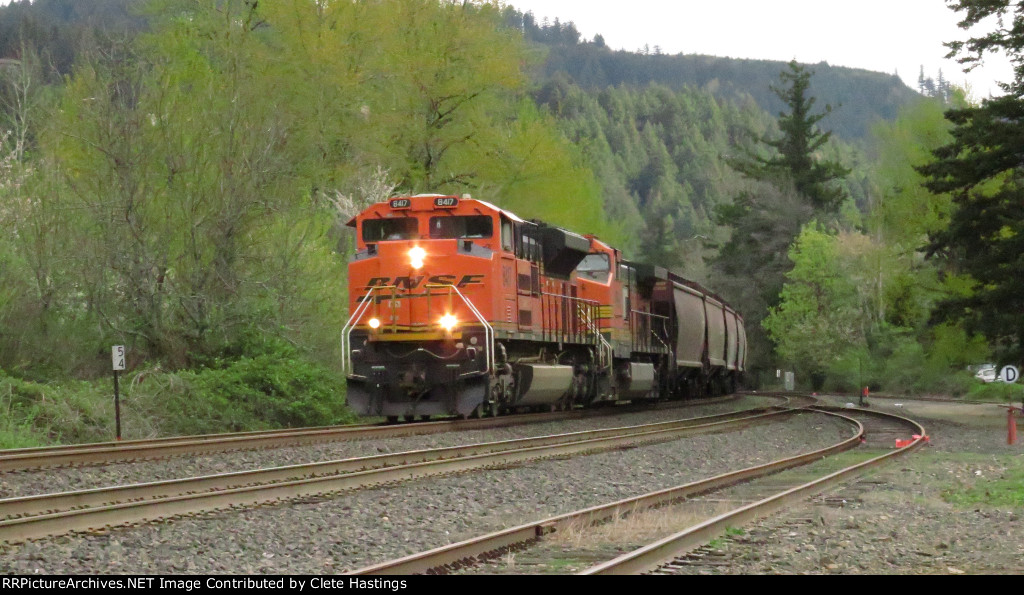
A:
(891, 36)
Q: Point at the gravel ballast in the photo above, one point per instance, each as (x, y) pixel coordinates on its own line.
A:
(353, 529)
(899, 520)
(910, 517)
(25, 483)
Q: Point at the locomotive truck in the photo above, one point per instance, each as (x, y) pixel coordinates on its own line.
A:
(461, 308)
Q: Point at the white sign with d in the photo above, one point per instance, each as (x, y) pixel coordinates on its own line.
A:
(1009, 374)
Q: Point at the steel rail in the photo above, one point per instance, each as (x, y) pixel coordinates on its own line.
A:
(22, 506)
(455, 555)
(170, 439)
(109, 452)
(668, 548)
(173, 497)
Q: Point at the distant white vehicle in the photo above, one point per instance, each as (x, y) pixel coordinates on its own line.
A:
(987, 374)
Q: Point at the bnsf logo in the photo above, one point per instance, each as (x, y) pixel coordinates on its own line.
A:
(410, 283)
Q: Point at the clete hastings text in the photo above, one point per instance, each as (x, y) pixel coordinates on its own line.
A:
(195, 584)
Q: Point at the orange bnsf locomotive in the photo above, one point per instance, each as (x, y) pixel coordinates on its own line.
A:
(459, 307)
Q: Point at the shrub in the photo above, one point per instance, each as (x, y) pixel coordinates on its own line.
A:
(276, 388)
(996, 391)
(75, 411)
(260, 392)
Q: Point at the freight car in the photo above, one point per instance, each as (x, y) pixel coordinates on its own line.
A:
(459, 307)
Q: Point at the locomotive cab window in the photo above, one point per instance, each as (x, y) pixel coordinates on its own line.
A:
(594, 267)
(461, 227)
(397, 228)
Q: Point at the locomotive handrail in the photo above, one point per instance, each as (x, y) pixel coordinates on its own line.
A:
(604, 347)
(583, 302)
(346, 331)
(650, 328)
(651, 314)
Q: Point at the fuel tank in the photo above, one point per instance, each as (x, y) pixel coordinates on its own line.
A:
(542, 384)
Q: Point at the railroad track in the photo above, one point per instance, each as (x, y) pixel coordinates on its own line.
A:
(157, 448)
(34, 517)
(664, 555)
(492, 545)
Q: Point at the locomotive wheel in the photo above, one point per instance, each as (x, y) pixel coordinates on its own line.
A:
(392, 419)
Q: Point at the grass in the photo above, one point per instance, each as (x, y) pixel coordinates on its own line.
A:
(639, 525)
(563, 563)
(1006, 490)
(18, 437)
(996, 391)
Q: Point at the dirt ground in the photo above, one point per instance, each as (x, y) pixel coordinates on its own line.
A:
(954, 507)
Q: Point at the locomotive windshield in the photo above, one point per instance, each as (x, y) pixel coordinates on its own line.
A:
(459, 227)
(594, 266)
(399, 228)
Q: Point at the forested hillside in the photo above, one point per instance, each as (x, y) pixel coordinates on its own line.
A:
(660, 157)
(865, 96)
(58, 29)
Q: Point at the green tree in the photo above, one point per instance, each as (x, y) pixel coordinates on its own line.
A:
(794, 152)
(981, 169)
(750, 268)
(903, 212)
(817, 319)
(1004, 38)
(787, 188)
(193, 233)
(431, 93)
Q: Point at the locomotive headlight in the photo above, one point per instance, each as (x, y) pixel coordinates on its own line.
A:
(374, 323)
(416, 256)
(448, 322)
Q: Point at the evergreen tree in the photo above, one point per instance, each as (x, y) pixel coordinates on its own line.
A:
(1006, 39)
(982, 169)
(788, 189)
(794, 157)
